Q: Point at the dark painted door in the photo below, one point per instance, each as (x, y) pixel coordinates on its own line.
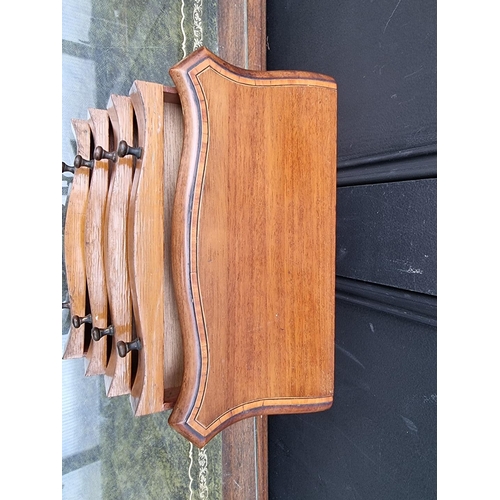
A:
(378, 441)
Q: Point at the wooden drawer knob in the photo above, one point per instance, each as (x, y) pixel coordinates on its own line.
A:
(81, 162)
(101, 154)
(68, 168)
(78, 162)
(99, 333)
(124, 149)
(78, 320)
(126, 347)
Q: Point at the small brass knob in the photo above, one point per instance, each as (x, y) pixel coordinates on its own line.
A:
(124, 149)
(81, 162)
(99, 333)
(78, 320)
(100, 153)
(126, 347)
(68, 168)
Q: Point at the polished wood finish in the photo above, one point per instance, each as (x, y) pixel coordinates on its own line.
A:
(118, 372)
(145, 248)
(173, 129)
(242, 49)
(74, 242)
(256, 36)
(159, 369)
(253, 242)
(242, 42)
(245, 48)
(244, 459)
(242, 32)
(96, 358)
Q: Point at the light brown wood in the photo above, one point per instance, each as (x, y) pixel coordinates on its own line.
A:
(244, 48)
(118, 371)
(74, 242)
(172, 339)
(242, 42)
(160, 134)
(96, 358)
(253, 242)
(146, 249)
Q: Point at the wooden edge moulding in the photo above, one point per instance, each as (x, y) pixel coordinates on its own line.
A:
(206, 244)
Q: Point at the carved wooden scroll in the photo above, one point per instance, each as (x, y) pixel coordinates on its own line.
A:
(118, 374)
(253, 243)
(74, 243)
(96, 358)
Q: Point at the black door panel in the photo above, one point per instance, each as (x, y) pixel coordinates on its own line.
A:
(378, 441)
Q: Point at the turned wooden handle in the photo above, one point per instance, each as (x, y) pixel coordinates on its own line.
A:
(81, 162)
(68, 168)
(99, 333)
(125, 347)
(79, 320)
(124, 149)
(101, 154)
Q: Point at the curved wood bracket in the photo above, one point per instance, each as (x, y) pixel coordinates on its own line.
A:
(253, 243)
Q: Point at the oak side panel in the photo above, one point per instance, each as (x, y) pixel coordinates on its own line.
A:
(74, 242)
(117, 376)
(96, 358)
(145, 248)
(173, 135)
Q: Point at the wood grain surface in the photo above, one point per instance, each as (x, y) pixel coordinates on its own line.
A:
(173, 365)
(242, 32)
(244, 459)
(247, 48)
(74, 242)
(145, 244)
(96, 358)
(118, 372)
(253, 242)
(242, 42)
